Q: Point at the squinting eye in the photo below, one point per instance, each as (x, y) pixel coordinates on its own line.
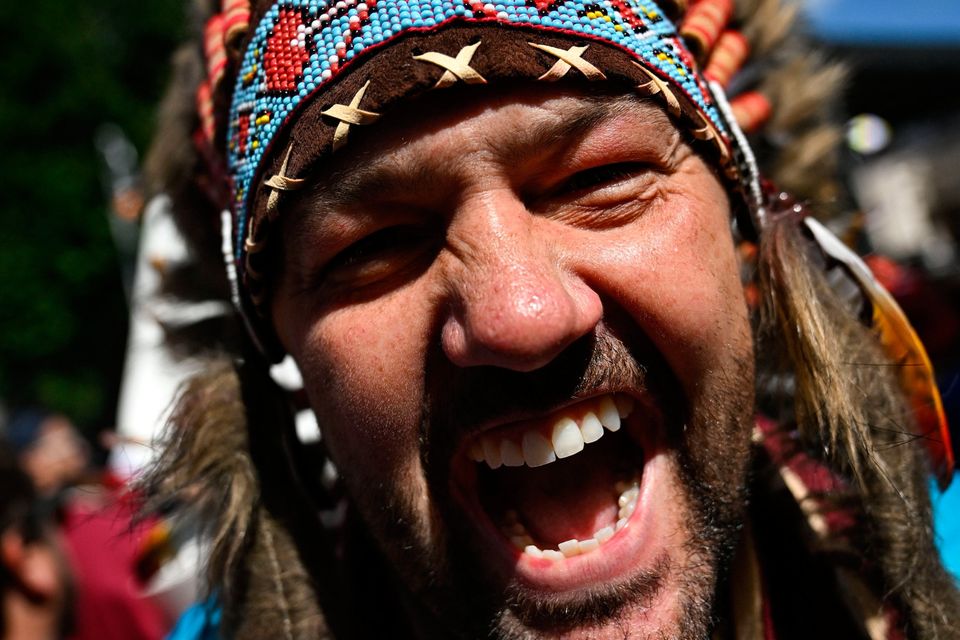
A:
(598, 176)
(379, 255)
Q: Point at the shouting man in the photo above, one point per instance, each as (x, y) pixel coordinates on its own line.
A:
(581, 373)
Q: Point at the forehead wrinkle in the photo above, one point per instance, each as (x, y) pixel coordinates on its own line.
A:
(589, 112)
(379, 171)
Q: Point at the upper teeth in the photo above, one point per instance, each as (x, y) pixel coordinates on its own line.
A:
(566, 437)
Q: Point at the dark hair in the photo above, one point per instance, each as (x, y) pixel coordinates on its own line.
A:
(24, 427)
(18, 512)
(17, 497)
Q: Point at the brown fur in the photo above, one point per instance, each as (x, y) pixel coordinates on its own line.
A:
(799, 146)
(765, 23)
(206, 467)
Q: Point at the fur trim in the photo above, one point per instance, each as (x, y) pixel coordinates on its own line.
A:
(207, 471)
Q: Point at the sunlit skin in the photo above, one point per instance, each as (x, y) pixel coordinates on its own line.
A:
(490, 239)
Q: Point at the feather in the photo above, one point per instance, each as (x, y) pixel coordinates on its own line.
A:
(902, 345)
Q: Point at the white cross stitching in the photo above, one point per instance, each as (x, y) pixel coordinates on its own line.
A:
(655, 86)
(281, 182)
(569, 58)
(709, 132)
(455, 68)
(350, 115)
(252, 246)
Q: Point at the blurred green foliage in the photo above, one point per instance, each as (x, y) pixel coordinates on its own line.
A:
(66, 68)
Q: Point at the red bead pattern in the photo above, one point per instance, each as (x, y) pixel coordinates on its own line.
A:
(287, 52)
(545, 5)
(242, 136)
(629, 16)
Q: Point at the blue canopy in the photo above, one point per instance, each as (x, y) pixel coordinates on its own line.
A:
(885, 22)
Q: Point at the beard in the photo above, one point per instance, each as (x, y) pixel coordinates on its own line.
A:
(451, 592)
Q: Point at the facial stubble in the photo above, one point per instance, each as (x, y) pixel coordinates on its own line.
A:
(708, 444)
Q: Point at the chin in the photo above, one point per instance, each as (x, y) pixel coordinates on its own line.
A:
(608, 536)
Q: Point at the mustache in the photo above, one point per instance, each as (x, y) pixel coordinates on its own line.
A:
(462, 399)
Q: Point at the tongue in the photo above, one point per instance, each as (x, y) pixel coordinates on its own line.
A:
(570, 498)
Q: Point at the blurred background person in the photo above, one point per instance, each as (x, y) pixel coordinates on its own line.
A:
(49, 449)
(101, 541)
(34, 576)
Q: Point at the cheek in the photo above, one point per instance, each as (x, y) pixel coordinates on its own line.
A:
(363, 369)
(677, 276)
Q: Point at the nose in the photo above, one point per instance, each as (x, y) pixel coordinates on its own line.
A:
(513, 303)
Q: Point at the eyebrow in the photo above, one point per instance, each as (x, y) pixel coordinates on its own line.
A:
(374, 171)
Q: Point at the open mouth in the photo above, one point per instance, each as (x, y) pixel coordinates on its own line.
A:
(562, 490)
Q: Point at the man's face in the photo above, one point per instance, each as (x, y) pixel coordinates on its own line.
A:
(477, 297)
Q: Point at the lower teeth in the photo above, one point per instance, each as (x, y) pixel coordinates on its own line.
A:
(626, 501)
